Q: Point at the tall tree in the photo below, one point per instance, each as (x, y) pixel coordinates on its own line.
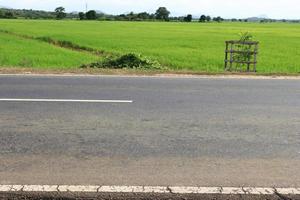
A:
(162, 14)
(143, 15)
(81, 16)
(208, 18)
(60, 12)
(131, 16)
(202, 18)
(188, 18)
(218, 19)
(91, 15)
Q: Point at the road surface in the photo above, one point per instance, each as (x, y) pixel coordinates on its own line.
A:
(176, 131)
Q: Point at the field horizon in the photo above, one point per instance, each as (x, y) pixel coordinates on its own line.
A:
(197, 47)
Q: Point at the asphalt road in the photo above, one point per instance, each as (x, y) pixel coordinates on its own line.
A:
(177, 131)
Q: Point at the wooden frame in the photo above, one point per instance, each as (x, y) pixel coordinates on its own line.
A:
(233, 54)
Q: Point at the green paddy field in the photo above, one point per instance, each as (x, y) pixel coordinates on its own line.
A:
(197, 47)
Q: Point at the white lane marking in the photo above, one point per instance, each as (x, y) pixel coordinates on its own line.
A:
(149, 189)
(66, 100)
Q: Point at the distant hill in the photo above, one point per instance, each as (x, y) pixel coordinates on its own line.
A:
(27, 14)
(265, 18)
(4, 7)
(258, 18)
(99, 12)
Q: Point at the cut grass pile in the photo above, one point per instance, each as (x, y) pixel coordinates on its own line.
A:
(15, 51)
(127, 61)
(180, 46)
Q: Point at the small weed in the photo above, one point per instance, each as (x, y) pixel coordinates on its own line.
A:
(26, 62)
(245, 50)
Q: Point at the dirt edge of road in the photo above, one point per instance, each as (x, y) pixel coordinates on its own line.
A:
(137, 196)
(137, 72)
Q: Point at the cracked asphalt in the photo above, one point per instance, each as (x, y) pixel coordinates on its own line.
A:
(178, 131)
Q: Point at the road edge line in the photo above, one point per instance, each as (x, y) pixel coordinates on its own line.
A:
(151, 189)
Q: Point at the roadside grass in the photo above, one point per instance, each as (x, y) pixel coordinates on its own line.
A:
(15, 51)
(180, 46)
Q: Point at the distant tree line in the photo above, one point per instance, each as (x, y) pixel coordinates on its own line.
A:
(161, 14)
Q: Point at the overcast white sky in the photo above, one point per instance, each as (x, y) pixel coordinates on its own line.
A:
(226, 8)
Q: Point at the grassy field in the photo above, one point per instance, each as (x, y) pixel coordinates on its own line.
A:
(180, 46)
(20, 52)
